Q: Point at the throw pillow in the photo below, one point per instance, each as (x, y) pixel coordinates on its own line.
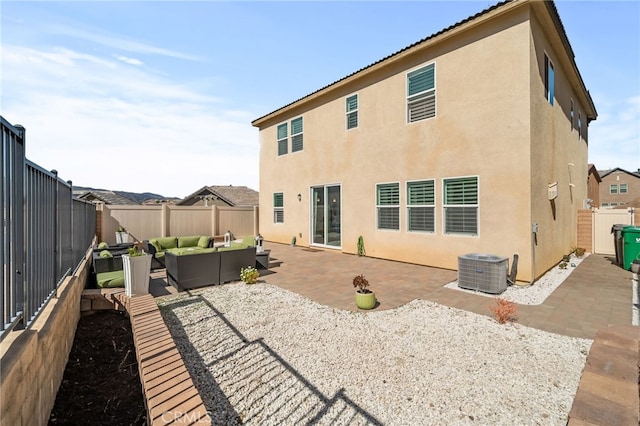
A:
(203, 242)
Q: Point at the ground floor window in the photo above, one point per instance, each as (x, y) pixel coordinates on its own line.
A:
(421, 206)
(460, 203)
(278, 207)
(388, 206)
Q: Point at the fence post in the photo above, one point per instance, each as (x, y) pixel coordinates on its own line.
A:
(215, 220)
(165, 221)
(256, 221)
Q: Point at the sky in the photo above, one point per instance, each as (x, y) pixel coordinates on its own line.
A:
(158, 96)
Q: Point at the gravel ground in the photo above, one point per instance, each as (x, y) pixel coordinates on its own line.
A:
(536, 293)
(262, 355)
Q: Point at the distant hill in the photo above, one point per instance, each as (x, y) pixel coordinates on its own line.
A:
(138, 197)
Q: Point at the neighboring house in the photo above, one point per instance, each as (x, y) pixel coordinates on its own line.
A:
(472, 140)
(156, 201)
(619, 188)
(106, 197)
(220, 195)
(593, 187)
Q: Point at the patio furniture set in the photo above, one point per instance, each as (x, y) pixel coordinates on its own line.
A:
(190, 262)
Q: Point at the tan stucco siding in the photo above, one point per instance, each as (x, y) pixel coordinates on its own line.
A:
(558, 154)
(481, 129)
(492, 121)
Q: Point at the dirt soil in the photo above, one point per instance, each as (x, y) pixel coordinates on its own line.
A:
(101, 384)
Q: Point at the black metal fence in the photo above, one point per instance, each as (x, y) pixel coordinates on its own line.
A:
(45, 232)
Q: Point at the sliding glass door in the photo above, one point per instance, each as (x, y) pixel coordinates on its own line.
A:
(326, 215)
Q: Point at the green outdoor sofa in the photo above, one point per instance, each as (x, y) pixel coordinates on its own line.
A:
(193, 269)
(108, 269)
(176, 245)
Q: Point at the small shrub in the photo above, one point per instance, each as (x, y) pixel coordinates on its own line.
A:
(361, 283)
(579, 251)
(566, 258)
(563, 265)
(361, 250)
(249, 274)
(503, 311)
(138, 249)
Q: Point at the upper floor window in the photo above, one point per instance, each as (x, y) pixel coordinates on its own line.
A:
(283, 141)
(278, 207)
(613, 189)
(352, 112)
(421, 93)
(579, 125)
(572, 117)
(388, 205)
(421, 206)
(296, 134)
(460, 199)
(549, 79)
(623, 188)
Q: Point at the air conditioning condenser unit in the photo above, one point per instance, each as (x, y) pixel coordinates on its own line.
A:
(483, 272)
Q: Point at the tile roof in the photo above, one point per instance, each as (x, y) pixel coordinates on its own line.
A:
(233, 195)
(107, 197)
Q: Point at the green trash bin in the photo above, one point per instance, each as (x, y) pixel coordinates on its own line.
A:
(631, 243)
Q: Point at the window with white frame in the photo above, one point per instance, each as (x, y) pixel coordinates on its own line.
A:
(388, 205)
(283, 141)
(421, 206)
(613, 189)
(460, 204)
(549, 79)
(421, 93)
(278, 207)
(296, 135)
(623, 188)
(352, 112)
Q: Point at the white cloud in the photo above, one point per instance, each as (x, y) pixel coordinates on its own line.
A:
(118, 43)
(104, 124)
(614, 138)
(130, 61)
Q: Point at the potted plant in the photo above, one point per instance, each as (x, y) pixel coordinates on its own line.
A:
(249, 275)
(136, 265)
(365, 298)
(122, 236)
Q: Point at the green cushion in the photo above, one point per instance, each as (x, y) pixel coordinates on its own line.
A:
(167, 243)
(154, 242)
(103, 245)
(110, 279)
(105, 254)
(234, 246)
(191, 250)
(249, 240)
(188, 241)
(203, 242)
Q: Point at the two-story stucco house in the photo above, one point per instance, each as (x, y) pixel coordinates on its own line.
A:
(619, 188)
(472, 140)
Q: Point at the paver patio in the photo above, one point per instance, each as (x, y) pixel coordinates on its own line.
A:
(596, 295)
